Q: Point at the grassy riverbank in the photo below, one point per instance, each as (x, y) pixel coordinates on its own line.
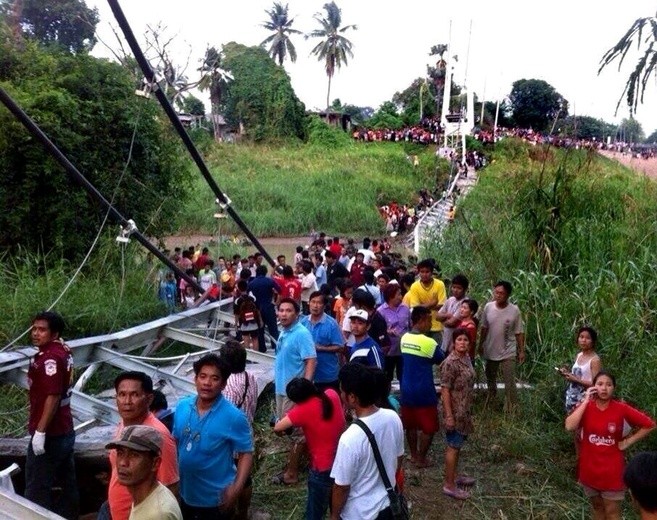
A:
(574, 232)
(290, 189)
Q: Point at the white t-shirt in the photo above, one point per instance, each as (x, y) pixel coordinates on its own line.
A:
(368, 255)
(159, 505)
(355, 465)
(308, 286)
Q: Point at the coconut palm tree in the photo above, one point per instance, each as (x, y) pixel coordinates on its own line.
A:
(280, 45)
(334, 49)
(642, 33)
(214, 79)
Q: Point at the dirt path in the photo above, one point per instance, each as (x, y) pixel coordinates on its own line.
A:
(644, 166)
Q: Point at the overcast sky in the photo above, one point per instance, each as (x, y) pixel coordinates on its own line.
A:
(559, 41)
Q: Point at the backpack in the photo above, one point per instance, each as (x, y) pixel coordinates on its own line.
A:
(248, 311)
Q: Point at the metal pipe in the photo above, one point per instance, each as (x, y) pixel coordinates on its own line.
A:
(50, 147)
(173, 117)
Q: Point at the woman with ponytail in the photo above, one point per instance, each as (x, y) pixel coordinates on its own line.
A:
(319, 415)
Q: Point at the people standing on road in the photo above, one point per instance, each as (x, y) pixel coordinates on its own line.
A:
(50, 451)
(501, 341)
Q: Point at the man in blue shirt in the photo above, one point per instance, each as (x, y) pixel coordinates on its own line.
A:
(264, 289)
(209, 432)
(328, 342)
(364, 350)
(295, 357)
(320, 270)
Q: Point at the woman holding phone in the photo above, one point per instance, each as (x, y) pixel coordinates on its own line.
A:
(587, 364)
(600, 419)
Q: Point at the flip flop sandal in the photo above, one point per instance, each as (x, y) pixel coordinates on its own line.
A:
(464, 480)
(456, 493)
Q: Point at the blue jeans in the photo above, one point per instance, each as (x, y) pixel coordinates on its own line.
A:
(320, 484)
(56, 466)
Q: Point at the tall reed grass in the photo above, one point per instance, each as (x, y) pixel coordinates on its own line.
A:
(291, 189)
(576, 235)
(115, 289)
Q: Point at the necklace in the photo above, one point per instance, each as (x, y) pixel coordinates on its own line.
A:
(190, 435)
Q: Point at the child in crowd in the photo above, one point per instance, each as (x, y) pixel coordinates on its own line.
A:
(247, 316)
(468, 310)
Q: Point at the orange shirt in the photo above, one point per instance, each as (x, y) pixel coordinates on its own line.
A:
(118, 496)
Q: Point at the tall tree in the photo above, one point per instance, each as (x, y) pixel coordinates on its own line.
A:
(645, 67)
(88, 108)
(438, 74)
(536, 104)
(214, 79)
(68, 23)
(280, 44)
(631, 131)
(334, 49)
(260, 98)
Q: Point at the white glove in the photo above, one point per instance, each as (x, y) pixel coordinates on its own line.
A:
(39, 443)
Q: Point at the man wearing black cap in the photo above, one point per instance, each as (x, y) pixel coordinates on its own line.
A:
(138, 451)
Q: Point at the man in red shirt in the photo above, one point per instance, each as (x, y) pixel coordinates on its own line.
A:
(290, 285)
(335, 247)
(50, 452)
(358, 270)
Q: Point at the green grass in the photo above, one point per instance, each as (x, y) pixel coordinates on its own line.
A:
(290, 189)
(591, 261)
(113, 291)
(575, 233)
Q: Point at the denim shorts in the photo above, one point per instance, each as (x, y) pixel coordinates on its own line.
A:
(455, 439)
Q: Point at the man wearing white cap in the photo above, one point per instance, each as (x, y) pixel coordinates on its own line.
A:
(364, 350)
(138, 457)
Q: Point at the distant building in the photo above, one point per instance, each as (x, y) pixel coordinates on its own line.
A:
(335, 119)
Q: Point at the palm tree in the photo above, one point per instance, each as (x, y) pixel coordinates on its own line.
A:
(214, 79)
(334, 48)
(281, 26)
(643, 32)
(438, 74)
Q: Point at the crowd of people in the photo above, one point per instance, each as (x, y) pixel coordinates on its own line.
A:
(345, 322)
(401, 218)
(426, 132)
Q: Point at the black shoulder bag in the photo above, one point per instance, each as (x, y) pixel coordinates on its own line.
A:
(398, 505)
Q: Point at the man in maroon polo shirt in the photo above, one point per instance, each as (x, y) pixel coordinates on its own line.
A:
(50, 452)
